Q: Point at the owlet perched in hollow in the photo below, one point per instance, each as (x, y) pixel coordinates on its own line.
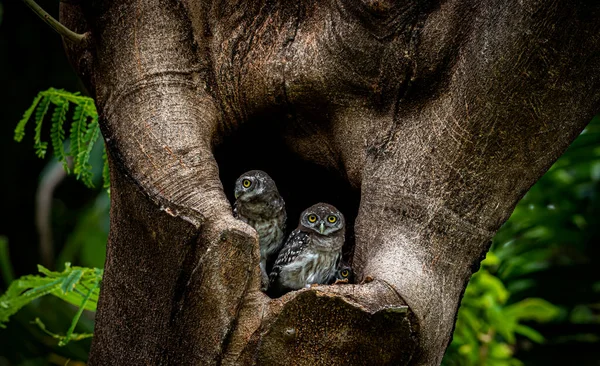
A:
(311, 253)
(259, 204)
(344, 273)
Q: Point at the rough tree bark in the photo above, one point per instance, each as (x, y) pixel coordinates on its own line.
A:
(424, 121)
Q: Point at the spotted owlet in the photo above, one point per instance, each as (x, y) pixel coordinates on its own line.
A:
(259, 204)
(311, 253)
(344, 273)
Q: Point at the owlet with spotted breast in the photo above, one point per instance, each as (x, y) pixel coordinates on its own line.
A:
(312, 252)
(259, 204)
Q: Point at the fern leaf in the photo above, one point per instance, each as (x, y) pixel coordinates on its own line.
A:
(62, 339)
(83, 131)
(15, 298)
(105, 171)
(40, 113)
(57, 131)
(78, 315)
(20, 129)
(48, 272)
(28, 288)
(76, 134)
(42, 290)
(90, 108)
(91, 135)
(41, 149)
(71, 280)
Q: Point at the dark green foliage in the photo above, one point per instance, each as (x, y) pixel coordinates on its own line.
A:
(83, 133)
(46, 339)
(86, 242)
(76, 285)
(487, 326)
(546, 250)
(31, 59)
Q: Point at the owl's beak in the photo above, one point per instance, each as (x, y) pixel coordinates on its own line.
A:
(322, 228)
(236, 195)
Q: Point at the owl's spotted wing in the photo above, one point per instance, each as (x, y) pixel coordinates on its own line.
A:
(294, 245)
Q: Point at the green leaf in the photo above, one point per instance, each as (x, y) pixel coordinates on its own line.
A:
(533, 309)
(500, 351)
(493, 286)
(69, 283)
(491, 259)
(78, 314)
(57, 132)
(40, 113)
(502, 324)
(82, 167)
(530, 333)
(28, 288)
(48, 272)
(83, 132)
(76, 134)
(42, 290)
(20, 129)
(73, 336)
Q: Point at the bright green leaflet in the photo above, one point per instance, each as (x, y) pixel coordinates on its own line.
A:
(83, 134)
(76, 285)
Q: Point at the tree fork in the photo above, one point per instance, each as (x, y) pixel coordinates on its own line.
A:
(424, 128)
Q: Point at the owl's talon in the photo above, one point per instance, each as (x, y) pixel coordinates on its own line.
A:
(368, 279)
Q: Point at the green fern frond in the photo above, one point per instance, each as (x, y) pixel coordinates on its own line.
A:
(57, 131)
(75, 285)
(79, 286)
(83, 132)
(76, 134)
(20, 129)
(84, 171)
(40, 112)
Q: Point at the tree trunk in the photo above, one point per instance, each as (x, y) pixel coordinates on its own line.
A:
(423, 121)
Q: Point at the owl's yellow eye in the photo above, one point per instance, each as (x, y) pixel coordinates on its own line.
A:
(332, 219)
(246, 183)
(312, 218)
(345, 273)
